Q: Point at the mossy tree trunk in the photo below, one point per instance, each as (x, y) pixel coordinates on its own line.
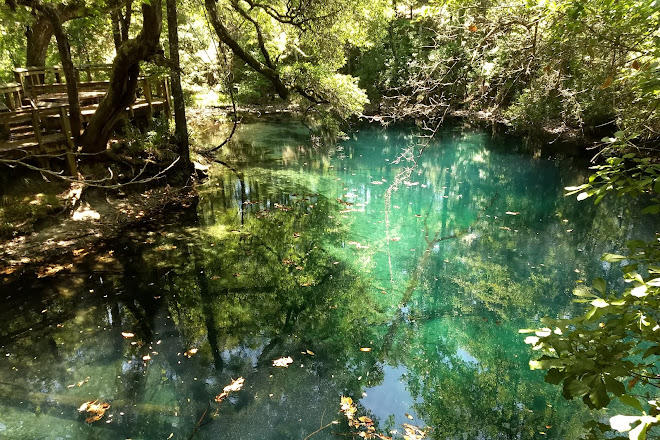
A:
(124, 79)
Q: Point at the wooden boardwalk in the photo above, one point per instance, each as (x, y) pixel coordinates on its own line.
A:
(34, 111)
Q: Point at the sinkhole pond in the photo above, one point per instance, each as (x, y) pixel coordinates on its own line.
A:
(318, 273)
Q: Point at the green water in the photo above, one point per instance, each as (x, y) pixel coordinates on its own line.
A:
(399, 284)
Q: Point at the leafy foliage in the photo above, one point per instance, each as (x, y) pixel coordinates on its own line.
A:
(612, 350)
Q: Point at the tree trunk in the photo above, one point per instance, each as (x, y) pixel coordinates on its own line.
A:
(181, 128)
(38, 38)
(124, 79)
(120, 24)
(116, 31)
(224, 36)
(67, 65)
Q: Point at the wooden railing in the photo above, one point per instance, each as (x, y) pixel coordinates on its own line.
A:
(27, 129)
(34, 111)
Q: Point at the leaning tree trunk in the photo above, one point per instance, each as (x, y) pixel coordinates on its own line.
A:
(67, 65)
(181, 128)
(223, 34)
(38, 38)
(124, 79)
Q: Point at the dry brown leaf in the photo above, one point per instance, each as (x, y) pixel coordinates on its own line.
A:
(283, 362)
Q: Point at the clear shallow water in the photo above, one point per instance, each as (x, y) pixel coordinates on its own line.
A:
(407, 298)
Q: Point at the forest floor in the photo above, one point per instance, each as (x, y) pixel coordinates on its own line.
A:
(57, 239)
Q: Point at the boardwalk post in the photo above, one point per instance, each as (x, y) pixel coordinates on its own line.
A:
(146, 84)
(66, 129)
(168, 98)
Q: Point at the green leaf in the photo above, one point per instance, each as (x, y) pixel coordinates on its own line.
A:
(655, 350)
(576, 388)
(600, 285)
(655, 282)
(554, 376)
(545, 363)
(612, 258)
(583, 196)
(630, 401)
(598, 396)
(652, 209)
(600, 303)
(639, 291)
(614, 386)
(583, 292)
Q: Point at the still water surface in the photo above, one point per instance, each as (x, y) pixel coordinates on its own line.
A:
(398, 281)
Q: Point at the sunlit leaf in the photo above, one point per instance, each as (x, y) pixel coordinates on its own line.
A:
(283, 362)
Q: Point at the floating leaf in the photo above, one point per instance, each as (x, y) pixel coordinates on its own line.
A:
(234, 386)
(97, 410)
(365, 349)
(283, 362)
(128, 335)
(512, 213)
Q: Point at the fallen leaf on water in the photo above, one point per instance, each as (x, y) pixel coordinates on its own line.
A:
(146, 357)
(235, 385)
(366, 420)
(347, 407)
(413, 432)
(365, 349)
(506, 228)
(310, 352)
(377, 182)
(409, 416)
(96, 409)
(395, 238)
(283, 362)
(128, 334)
(512, 213)
(191, 352)
(215, 277)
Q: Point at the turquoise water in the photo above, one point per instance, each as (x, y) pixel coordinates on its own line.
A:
(398, 281)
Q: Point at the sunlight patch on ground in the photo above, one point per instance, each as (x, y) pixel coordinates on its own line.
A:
(85, 212)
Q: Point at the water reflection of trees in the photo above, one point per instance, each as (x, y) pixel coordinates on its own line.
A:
(268, 275)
